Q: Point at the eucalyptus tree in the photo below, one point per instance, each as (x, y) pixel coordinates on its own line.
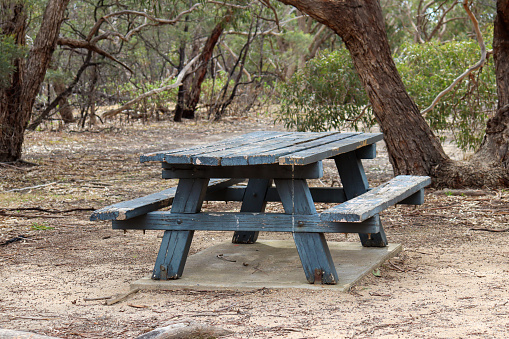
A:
(18, 93)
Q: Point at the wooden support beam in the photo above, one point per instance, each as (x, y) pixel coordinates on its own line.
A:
(243, 221)
(311, 171)
(253, 201)
(236, 193)
(175, 245)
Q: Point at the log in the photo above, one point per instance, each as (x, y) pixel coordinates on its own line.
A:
(186, 330)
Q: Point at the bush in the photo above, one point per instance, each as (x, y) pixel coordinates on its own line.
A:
(428, 69)
(8, 52)
(326, 94)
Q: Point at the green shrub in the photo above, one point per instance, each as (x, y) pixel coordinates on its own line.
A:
(326, 94)
(8, 52)
(427, 69)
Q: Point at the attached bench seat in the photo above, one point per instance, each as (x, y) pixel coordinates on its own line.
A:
(132, 208)
(407, 189)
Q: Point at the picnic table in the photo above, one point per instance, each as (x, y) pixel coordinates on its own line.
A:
(276, 166)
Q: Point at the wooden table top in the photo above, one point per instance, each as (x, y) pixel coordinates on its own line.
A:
(268, 147)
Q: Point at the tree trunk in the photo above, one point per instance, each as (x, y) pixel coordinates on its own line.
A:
(412, 146)
(495, 146)
(179, 108)
(13, 23)
(17, 100)
(65, 109)
(201, 71)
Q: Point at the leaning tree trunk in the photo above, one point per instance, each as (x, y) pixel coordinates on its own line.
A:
(179, 108)
(65, 109)
(412, 146)
(194, 95)
(495, 146)
(17, 100)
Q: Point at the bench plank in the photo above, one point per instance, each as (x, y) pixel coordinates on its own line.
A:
(377, 199)
(133, 208)
(330, 149)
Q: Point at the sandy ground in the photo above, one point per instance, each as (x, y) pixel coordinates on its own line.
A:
(451, 281)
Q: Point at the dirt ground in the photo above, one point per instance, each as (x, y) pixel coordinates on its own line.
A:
(451, 280)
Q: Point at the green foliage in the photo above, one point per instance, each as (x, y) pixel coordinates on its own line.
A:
(161, 99)
(41, 226)
(8, 52)
(326, 94)
(427, 69)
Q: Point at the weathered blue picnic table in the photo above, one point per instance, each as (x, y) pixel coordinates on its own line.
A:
(277, 166)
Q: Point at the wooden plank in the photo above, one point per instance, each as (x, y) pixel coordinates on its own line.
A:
(152, 202)
(331, 149)
(175, 245)
(182, 155)
(271, 153)
(159, 156)
(243, 221)
(355, 183)
(376, 200)
(312, 247)
(240, 155)
(310, 171)
(319, 194)
(253, 201)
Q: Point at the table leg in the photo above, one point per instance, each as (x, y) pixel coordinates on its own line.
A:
(175, 245)
(254, 201)
(355, 183)
(312, 247)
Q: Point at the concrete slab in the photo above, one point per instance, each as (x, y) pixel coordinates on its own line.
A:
(269, 264)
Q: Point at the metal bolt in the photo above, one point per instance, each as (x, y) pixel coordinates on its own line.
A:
(179, 221)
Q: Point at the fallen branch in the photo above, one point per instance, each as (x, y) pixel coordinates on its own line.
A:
(111, 113)
(46, 210)
(12, 166)
(98, 298)
(30, 216)
(121, 297)
(28, 188)
(186, 330)
(478, 65)
(489, 230)
(11, 334)
(10, 241)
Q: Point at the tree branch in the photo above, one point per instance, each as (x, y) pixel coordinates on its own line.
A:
(73, 43)
(478, 65)
(177, 83)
